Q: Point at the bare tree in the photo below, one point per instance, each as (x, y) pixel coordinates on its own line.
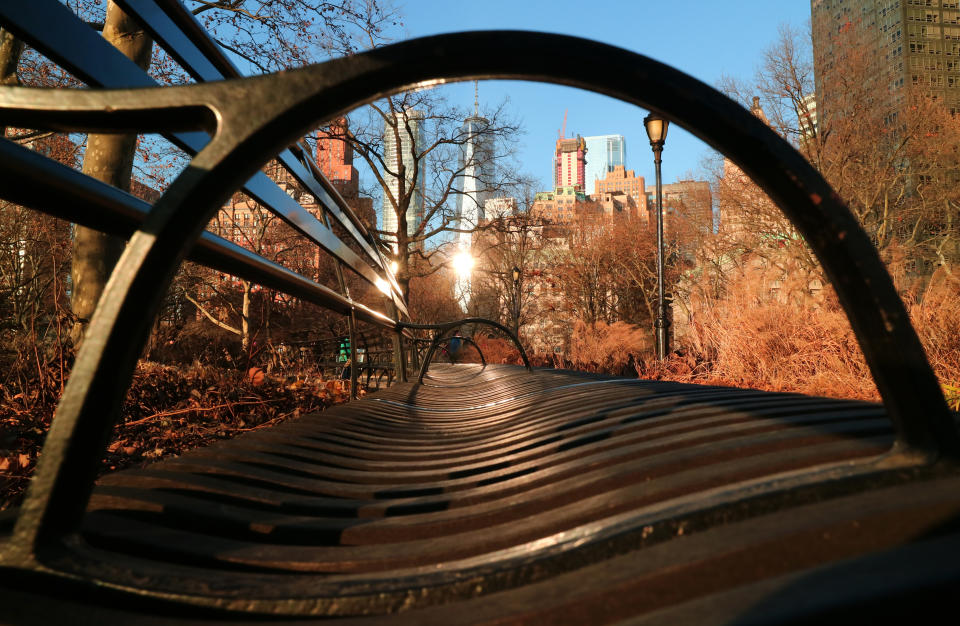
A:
(275, 35)
(268, 36)
(513, 243)
(417, 148)
(891, 155)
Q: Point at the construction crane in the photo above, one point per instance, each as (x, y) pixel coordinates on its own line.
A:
(563, 129)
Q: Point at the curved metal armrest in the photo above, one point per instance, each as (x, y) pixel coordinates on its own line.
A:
(444, 327)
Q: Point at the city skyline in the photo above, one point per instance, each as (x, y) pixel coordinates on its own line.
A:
(704, 49)
(604, 152)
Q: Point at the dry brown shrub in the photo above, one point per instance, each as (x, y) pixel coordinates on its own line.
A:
(743, 340)
(781, 347)
(936, 316)
(497, 349)
(607, 348)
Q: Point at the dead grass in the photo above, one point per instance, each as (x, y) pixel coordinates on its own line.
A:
(780, 347)
(936, 316)
(497, 349)
(608, 348)
(744, 340)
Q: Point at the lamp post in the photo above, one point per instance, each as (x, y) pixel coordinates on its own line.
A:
(657, 132)
(516, 300)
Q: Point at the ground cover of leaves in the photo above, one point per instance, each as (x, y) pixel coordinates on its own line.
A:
(168, 411)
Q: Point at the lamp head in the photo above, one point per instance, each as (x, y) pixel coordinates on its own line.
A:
(656, 129)
(516, 273)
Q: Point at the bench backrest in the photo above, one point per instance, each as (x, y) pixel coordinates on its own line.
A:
(53, 29)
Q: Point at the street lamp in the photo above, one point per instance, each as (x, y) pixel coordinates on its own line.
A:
(657, 132)
(516, 300)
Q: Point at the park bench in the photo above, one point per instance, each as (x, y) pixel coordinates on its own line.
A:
(479, 493)
(331, 358)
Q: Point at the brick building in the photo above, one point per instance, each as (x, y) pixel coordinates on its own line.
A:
(559, 205)
(620, 180)
(335, 160)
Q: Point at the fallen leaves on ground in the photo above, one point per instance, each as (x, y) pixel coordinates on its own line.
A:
(168, 411)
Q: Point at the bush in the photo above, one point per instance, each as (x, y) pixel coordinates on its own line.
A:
(743, 341)
(780, 346)
(936, 316)
(497, 349)
(608, 348)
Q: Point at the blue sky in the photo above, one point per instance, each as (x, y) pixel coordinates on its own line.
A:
(705, 38)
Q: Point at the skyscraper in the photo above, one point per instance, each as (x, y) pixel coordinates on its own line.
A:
(605, 152)
(409, 127)
(475, 167)
(473, 186)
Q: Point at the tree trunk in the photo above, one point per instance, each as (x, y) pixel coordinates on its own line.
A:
(108, 158)
(245, 319)
(10, 50)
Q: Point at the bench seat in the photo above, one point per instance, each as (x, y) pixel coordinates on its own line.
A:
(614, 499)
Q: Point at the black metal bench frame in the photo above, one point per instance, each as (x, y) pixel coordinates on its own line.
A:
(287, 106)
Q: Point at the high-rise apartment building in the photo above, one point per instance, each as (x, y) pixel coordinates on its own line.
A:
(891, 44)
(807, 117)
(408, 125)
(687, 204)
(570, 163)
(605, 153)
